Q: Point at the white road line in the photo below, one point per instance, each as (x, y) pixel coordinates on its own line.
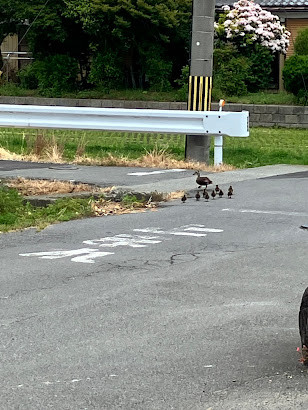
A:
(203, 229)
(255, 211)
(174, 232)
(181, 231)
(164, 171)
(186, 234)
(134, 241)
(89, 258)
(84, 255)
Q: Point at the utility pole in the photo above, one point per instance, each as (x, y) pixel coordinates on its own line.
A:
(200, 79)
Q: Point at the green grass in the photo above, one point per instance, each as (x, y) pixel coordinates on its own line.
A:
(267, 146)
(15, 214)
(264, 146)
(10, 89)
(281, 98)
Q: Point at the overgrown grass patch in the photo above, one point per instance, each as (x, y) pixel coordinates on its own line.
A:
(264, 146)
(16, 213)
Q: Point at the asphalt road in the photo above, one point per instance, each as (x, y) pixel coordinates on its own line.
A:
(192, 306)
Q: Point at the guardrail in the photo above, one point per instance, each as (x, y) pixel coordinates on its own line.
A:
(233, 124)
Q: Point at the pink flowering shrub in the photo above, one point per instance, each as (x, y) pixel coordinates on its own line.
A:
(254, 34)
(247, 24)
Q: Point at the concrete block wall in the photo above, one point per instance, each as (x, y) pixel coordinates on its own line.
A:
(259, 115)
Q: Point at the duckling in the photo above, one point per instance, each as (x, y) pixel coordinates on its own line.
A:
(197, 196)
(206, 196)
(213, 194)
(217, 189)
(183, 199)
(202, 180)
(220, 193)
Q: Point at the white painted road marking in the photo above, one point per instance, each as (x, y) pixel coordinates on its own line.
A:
(87, 255)
(255, 211)
(84, 255)
(182, 231)
(135, 241)
(163, 171)
(203, 229)
(160, 231)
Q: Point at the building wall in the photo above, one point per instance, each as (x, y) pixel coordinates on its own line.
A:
(294, 25)
(10, 43)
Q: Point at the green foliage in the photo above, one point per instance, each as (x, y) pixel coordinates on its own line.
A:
(131, 28)
(106, 71)
(157, 69)
(231, 71)
(130, 200)
(10, 200)
(55, 74)
(260, 69)
(301, 43)
(295, 75)
(28, 77)
(183, 83)
(237, 72)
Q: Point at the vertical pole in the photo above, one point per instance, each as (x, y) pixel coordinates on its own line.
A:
(218, 142)
(200, 79)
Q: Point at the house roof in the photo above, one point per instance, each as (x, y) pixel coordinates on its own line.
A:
(270, 3)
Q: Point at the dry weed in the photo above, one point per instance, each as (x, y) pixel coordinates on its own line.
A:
(54, 151)
(7, 155)
(153, 159)
(104, 207)
(29, 187)
(81, 147)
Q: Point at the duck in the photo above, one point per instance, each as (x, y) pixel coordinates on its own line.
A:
(202, 180)
(303, 327)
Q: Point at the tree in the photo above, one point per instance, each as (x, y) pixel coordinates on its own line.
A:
(301, 43)
(51, 31)
(256, 35)
(134, 28)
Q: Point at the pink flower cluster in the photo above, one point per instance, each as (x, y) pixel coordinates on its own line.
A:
(248, 22)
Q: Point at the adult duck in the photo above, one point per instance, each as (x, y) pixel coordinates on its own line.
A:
(202, 180)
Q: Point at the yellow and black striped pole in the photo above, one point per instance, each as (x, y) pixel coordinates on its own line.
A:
(199, 93)
(200, 80)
